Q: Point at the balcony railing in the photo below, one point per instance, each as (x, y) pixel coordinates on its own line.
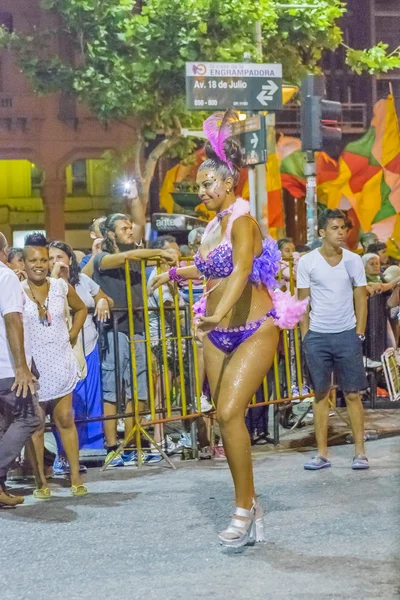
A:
(354, 118)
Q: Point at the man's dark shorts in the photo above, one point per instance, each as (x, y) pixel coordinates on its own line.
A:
(338, 353)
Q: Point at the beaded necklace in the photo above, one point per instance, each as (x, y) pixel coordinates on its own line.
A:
(43, 309)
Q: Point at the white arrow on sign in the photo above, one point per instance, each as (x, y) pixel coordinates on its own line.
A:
(254, 141)
(267, 92)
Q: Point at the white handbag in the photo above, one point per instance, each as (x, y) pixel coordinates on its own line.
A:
(78, 348)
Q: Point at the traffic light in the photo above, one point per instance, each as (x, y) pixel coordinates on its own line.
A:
(320, 118)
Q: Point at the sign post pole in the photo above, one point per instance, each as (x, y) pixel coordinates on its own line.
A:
(252, 192)
(311, 198)
(262, 197)
(261, 174)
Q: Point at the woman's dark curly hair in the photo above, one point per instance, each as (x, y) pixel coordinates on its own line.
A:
(74, 268)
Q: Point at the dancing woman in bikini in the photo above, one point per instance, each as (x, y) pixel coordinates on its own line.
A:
(239, 329)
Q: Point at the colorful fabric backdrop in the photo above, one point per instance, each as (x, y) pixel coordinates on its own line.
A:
(365, 181)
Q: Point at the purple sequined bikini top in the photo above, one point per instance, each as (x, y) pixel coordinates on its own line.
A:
(219, 262)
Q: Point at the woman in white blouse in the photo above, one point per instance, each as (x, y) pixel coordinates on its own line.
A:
(87, 394)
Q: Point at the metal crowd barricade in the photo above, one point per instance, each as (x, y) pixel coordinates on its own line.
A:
(174, 395)
(175, 403)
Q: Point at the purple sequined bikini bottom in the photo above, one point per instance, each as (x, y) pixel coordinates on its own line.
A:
(228, 340)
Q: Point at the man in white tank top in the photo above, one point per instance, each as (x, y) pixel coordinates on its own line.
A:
(18, 417)
(333, 331)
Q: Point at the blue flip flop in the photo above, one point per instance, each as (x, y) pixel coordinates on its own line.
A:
(316, 463)
(360, 462)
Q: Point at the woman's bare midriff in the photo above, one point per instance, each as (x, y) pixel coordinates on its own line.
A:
(254, 303)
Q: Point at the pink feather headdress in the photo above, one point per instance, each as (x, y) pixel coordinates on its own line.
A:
(218, 128)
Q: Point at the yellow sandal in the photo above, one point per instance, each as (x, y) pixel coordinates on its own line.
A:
(78, 490)
(42, 494)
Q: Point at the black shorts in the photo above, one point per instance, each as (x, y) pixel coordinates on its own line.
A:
(338, 353)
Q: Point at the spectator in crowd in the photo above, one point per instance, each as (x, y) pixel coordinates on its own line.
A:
(288, 275)
(137, 216)
(381, 250)
(95, 235)
(194, 238)
(302, 249)
(379, 332)
(372, 265)
(392, 276)
(15, 261)
(163, 243)
(79, 255)
(86, 397)
(120, 245)
(289, 256)
(48, 303)
(367, 239)
(376, 282)
(316, 244)
(349, 226)
(19, 416)
(333, 332)
(185, 251)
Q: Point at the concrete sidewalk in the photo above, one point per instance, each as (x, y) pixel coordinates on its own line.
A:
(152, 534)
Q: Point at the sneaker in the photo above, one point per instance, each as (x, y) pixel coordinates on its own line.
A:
(205, 453)
(295, 390)
(168, 446)
(131, 459)
(205, 405)
(185, 441)
(219, 454)
(116, 462)
(61, 466)
(371, 364)
(153, 457)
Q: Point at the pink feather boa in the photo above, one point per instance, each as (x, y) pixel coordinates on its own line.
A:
(239, 208)
(289, 309)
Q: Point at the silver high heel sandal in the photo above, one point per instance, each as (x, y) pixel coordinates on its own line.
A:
(244, 532)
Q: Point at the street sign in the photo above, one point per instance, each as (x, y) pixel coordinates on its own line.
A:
(252, 135)
(242, 86)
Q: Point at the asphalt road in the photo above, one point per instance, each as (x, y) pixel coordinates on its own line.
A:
(152, 534)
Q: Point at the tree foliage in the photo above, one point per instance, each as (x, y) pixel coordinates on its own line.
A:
(374, 60)
(129, 55)
(131, 61)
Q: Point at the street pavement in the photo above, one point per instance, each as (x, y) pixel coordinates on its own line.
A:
(151, 534)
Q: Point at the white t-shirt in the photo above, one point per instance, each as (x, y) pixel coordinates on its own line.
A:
(87, 289)
(12, 300)
(331, 290)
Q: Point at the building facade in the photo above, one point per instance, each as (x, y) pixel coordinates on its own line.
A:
(366, 23)
(51, 175)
